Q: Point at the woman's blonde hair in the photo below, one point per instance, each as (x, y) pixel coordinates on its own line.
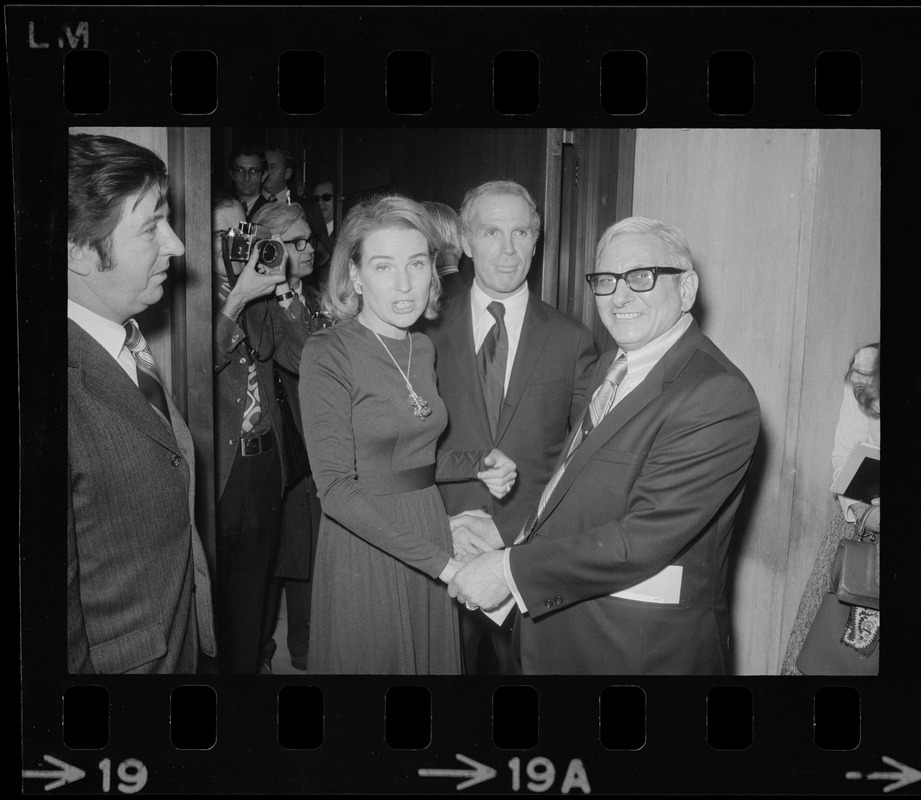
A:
(340, 300)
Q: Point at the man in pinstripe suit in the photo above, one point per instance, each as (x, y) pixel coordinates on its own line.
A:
(138, 590)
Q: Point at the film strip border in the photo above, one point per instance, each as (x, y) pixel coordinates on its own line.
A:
(408, 81)
(450, 65)
(228, 736)
(564, 736)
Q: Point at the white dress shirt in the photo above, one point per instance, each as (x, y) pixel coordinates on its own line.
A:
(109, 334)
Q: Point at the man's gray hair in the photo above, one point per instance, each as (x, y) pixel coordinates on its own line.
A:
(497, 188)
(676, 246)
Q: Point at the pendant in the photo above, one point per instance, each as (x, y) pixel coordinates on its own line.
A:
(420, 407)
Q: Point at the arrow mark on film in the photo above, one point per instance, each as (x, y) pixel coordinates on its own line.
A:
(478, 774)
(906, 775)
(66, 774)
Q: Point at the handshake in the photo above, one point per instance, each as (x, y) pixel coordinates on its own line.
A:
(476, 574)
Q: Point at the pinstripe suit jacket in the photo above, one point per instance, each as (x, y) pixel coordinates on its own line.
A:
(138, 590)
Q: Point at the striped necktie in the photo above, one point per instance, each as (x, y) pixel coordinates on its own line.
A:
(492, 359)
(252, 413)
(601, 403)
(148, 377)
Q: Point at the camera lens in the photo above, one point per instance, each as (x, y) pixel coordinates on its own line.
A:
(269, 252)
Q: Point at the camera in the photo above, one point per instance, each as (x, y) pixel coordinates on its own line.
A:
(241, 240)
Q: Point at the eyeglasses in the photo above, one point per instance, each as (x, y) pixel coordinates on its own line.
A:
(252, 172)
(301, 244)
(325, 197)
(642, 279)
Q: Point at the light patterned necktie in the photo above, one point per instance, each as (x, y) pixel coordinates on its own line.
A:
(148, 377)
(601, 403)
(253, 411)
(492, 359)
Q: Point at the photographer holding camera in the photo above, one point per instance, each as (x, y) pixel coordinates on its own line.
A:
(255, 327)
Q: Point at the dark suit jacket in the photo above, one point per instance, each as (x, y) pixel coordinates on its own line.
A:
(545, 396)
(261, 200)
(138, 591)
(278, 335)
(300, 521)
(657, 483)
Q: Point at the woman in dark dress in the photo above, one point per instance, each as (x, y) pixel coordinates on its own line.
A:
(372, 418)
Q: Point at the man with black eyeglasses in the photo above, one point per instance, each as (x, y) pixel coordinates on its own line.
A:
(622, 567)
(322, 217)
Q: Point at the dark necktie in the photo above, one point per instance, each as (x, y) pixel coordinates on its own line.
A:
(492, 358)
(148, 377)
(601, 403)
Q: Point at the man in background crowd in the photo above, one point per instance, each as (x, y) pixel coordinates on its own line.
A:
(324, 196)
(248, 170)
(256, 325)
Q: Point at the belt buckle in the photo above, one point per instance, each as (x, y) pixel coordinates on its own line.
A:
(251, 446)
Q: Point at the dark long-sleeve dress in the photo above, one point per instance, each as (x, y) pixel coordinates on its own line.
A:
(377, 605)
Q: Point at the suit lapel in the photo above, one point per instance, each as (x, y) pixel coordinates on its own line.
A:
(108, 382)
(665, 371)
(534, 335)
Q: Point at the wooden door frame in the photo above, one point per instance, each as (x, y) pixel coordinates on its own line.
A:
(191, 312)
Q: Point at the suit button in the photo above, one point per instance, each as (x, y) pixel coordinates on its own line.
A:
(558, 600)
(242, 360)
(231, 442)
(548, 603)
(176, 461)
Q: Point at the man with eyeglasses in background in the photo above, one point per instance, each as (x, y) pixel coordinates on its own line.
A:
(258, 324)
(324, 198)
(248, 170)
(622, 567)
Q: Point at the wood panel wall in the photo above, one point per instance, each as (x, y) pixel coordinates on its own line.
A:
(784, 228)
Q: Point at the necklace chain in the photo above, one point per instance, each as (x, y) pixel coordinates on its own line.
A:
(409, 366)
(420, 406)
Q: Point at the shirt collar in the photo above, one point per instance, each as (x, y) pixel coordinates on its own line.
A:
(109, 334)
(657, 347)
(515, 303)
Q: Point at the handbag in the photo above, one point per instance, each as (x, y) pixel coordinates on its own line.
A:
(854, 575)
(823, 652)
(294, 452)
